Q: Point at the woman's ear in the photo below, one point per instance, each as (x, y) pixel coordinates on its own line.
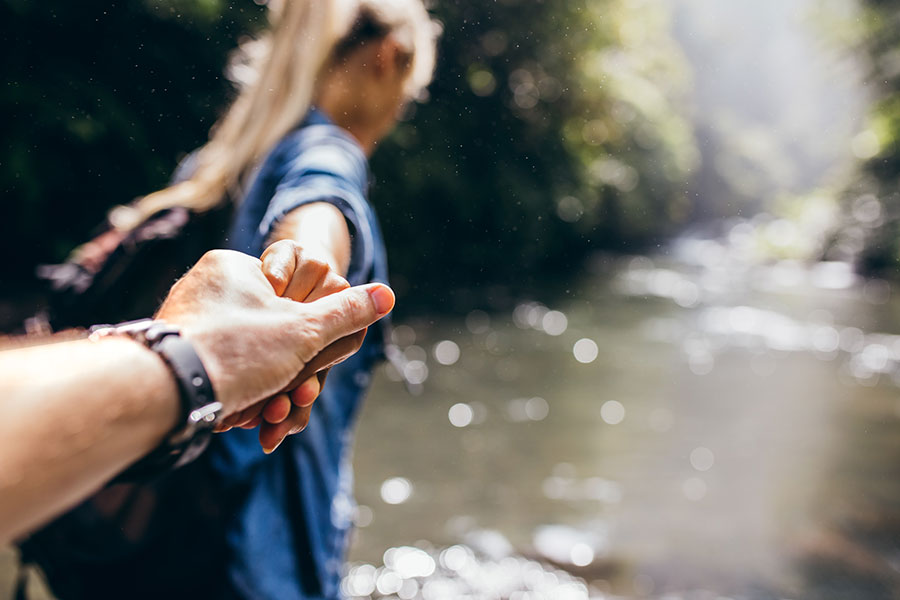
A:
(388, 54)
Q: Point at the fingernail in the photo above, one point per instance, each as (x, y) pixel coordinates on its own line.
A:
(382, 298)
(270, 450)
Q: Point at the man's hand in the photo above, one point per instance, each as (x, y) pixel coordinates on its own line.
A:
(255, 344)
(295, 273)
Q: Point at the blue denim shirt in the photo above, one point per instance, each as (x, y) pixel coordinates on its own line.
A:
(288, 537)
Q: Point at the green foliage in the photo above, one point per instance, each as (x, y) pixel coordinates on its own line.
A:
(871, 229)
(99, 101)
(552, 128)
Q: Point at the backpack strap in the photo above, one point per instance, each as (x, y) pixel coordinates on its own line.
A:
(21, 588)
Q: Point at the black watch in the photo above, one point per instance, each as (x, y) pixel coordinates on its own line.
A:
(200, 409)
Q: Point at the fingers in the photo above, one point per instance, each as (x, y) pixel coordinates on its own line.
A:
(277, 409)
(332, 354)
(308, 273)
(297, 275)
(278, 264)
(252, 423)
(331, 283)
(348, 311)
(271, 435)
(335, 353)
(306, 394)
(226, 423)
(248, 415)
(238, 419)
(281, 416)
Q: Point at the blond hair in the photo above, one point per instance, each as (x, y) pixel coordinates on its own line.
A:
(276, 76)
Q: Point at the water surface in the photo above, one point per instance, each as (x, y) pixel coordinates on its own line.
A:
(729, 427)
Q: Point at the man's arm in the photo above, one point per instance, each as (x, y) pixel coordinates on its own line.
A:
(74, 414)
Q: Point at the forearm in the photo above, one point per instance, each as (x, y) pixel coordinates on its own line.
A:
(72, 416)
(321, 230)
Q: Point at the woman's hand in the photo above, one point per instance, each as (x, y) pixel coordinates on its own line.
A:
(296, 275)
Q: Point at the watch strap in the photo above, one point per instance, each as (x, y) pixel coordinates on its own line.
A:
(199, 407)
(198, 403)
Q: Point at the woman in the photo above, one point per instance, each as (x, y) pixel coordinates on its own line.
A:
(312, 188)
(317, 93)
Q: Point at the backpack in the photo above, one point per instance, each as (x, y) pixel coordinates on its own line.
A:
(162, 538)
(92, 550)
(120, 276)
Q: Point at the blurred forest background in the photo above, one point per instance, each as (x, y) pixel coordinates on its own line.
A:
(552, 130)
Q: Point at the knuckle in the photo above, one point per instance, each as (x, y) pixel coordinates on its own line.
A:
(347, 306)
(352, 309)
(214, 256)
(220, 260)
(286, 244)
(292, 245)
(319, 267)
(309, 336)
(282, 245)
(336, 283)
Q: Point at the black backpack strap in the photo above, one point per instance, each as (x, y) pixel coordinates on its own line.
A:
(21, 589)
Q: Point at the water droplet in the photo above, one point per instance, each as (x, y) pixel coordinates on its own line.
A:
(460, 415)
(446, 352)
(554, 323)
(581, 555)
(388, 582)
(409, 562)
(414, 352)
(403, 335)
(585, 350)
(416, 372)
(363, 516)
(396, 490)
(537, 409)
(612, 412)
(702, 458)
(456, 558)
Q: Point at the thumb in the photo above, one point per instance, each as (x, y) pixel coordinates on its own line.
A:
(348, 311)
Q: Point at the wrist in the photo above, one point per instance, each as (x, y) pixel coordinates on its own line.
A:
(161, 406)
(197, 402)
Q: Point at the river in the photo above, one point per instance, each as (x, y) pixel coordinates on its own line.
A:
(687, 426)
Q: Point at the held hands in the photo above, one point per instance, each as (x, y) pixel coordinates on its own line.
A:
(267, 355)
(294, 274)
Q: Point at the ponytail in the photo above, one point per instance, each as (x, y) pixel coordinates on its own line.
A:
(276, 77)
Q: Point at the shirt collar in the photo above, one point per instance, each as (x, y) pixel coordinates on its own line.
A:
(316, 117)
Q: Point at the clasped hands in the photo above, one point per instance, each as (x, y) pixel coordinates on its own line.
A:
(268, 330)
